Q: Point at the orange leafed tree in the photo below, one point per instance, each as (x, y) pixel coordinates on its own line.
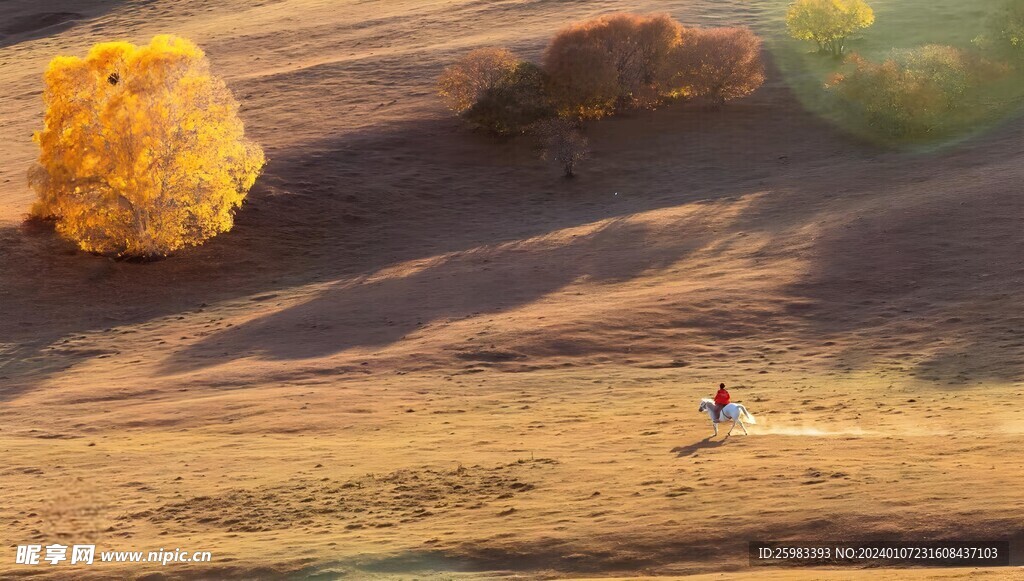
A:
(719, 64)
(142, 151)
(609, 62)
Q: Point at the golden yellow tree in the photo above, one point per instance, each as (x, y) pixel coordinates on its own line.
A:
(142, 151)
(828, 22)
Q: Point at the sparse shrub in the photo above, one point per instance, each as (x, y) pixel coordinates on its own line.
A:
(719, 64)
(829, 23)
(564, 144)
(142, 151)
(463, 83)
(514, 103)
(912, 92)
(610, 62)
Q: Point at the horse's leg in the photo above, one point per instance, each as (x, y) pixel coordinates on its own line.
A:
(714, 425)
(733, 427)
(744, 427)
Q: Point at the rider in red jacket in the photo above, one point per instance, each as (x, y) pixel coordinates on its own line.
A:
(722, 397)
(721, 400)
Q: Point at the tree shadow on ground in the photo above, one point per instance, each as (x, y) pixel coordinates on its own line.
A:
(26, 20)
(351, 205)
(551, 554)
(347, 207)
(489, 279)
(643, 553)
(921, 279)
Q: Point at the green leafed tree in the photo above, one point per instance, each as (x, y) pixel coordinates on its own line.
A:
(911, 93)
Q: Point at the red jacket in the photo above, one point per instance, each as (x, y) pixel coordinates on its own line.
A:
(722, 397)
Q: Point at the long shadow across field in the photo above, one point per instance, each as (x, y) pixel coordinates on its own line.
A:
(360, 313)
(349, 206)
(494, 277)
(352, 205)
(643, 554)
(927, 280)
(26, 20)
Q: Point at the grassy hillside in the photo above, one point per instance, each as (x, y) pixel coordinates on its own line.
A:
(423, 354)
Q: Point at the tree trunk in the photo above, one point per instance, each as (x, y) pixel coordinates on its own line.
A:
(717, 100)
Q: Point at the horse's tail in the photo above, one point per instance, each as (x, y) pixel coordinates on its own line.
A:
(747, 415)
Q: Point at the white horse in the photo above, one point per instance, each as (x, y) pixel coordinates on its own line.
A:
(731, 411)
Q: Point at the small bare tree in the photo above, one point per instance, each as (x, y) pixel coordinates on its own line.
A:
(564, 144)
